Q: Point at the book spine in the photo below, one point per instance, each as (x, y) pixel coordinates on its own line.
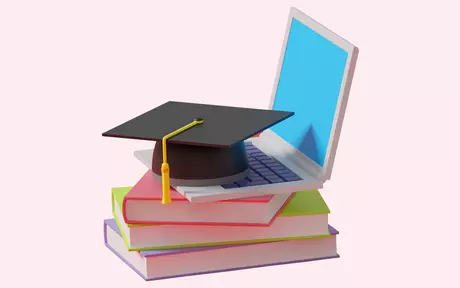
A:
(124, 211)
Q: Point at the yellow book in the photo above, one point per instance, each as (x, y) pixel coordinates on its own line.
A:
(305, 216)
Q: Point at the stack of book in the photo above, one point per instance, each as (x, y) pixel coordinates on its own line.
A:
(163, 241)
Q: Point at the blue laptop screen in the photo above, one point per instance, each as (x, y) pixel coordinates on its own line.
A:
(309, 85)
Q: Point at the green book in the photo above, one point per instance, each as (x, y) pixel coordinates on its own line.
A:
(304, 216)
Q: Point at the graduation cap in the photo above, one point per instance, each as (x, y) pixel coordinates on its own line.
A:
(202, 144)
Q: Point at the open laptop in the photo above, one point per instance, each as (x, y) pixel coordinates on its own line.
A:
(313, 80)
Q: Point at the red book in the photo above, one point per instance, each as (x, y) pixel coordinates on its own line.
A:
(142, 205)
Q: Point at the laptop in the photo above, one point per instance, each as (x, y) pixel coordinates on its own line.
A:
(313, 80)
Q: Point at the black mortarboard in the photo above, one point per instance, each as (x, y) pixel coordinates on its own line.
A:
(209, 150)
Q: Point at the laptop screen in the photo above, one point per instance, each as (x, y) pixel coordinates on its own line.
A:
(309, 85)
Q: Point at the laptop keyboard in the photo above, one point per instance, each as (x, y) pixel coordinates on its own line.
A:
(263, 170)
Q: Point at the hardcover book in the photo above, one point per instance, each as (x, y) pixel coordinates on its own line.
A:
(305, 216)
(169, 263)
(142, 205)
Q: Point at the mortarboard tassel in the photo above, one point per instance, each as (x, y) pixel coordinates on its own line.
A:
(166, 188)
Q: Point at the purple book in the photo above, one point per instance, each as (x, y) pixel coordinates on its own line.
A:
(156, 264)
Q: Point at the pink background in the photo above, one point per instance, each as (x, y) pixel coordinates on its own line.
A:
(70, 70)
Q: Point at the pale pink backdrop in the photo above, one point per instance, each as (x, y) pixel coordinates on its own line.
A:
(70, 70)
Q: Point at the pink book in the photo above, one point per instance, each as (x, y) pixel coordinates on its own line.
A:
(142, 205)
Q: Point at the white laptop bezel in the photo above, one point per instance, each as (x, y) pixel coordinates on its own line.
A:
(320, 173)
